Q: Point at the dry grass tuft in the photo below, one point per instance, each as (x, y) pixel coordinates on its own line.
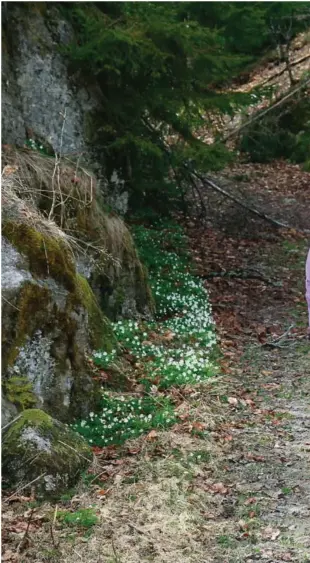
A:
(64, 194)
(47, 183)
(16, 209)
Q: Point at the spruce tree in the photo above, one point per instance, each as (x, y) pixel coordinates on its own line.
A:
(164, 70)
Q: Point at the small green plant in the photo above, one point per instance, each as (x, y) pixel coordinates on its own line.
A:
(51, 554)
(226, 541)
(200, 456)
(131, 479)
(68, 495)
(36, 146)
(287, 491)
(224, 398)
(83, 518)
(241, 177)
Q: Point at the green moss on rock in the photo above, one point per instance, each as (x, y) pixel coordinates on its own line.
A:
(72, 325)
(101, 332)
(48, 256)
(30, 313)
(36, 446)
(118, 278)
(19, 391)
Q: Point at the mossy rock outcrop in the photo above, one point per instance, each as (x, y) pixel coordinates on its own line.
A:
(106, 254)
(62, 280)
(119, 280)
(51, 319)
(40, 450)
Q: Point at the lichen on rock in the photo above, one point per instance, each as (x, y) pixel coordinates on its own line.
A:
(38, 447)
(50, 317)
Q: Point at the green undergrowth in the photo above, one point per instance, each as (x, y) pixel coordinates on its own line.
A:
(174, 349)
(123, 417)
(83, 519)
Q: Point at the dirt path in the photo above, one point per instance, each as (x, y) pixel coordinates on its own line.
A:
(268, 507)
(268, 465)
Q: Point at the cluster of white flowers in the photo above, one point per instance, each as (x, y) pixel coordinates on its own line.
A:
(103, 358)
(184, 314)
(186, 358)
(34, 145)
(123, 417)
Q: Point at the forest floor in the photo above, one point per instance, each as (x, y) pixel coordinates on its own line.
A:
(230, 482)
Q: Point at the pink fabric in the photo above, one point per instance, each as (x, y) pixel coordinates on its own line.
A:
(308, 284)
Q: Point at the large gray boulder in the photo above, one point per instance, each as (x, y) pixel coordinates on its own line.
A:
(43, 453)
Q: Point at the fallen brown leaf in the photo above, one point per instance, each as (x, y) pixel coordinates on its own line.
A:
(232, 401)
(152, 435)
(251, 500)
(218, 488)
(9, 555)
(286, 557)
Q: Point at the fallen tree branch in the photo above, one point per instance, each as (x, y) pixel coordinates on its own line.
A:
(276, 343)
(211, 184)
(260, 214)
(267, 110)
(299, 61)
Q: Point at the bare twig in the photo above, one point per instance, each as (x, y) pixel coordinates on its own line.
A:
(117, 557)
(140, 531)
(25, 536)
(9, 303)
(97, 477)
(24, 487)
(10, 423)
(294, 63)
(52, 529)
(77, 553)
(74, 450)
(276, 343)
(57, 171)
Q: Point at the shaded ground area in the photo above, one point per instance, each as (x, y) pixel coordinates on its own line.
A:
(279, 190)
(230, 482)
